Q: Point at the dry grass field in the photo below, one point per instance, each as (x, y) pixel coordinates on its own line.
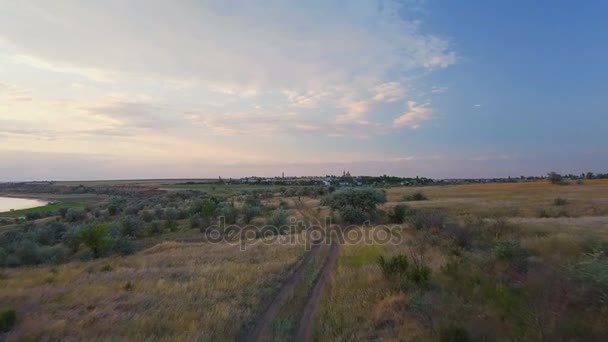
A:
(526, 199)
(173, 291)
(513, 261)
(507, 273)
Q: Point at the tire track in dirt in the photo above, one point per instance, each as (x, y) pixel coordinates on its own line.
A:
(306, 324)
(264, 324)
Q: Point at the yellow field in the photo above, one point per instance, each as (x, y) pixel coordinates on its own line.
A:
(171, 291)
(525, 199)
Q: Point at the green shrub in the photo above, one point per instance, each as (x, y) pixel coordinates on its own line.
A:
(398, 214)
(394, 267)
(8, 318)
(399, 270)
(129, 286)
(352, 215)
(364, 199)
(124, 245)
(228, 212)
(512, 252)
(278, 221)
(419, 273)
(132, 226)
(560, 201)
(416, 196)
(75, 215)
(97, 239)
(427, 220)
(250, 211)
(453, 333)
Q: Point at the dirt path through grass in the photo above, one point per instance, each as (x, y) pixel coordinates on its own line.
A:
(264, 325)
(306, 325)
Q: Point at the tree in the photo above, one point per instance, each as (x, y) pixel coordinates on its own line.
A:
(97, 239)
(555, 178)
(356, 205)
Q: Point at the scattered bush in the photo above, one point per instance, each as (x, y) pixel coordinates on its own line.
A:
(75, 215)
(398, 214)
(399, 270)
(124, 245)
(425, 219)
(228, 212)
(132, 226)
(278, 221)
(394, 267)
(250, 211)
(8, 318)
(352, 215)
(452, 333)
(365, 199)
(556, 178)
(416, 196)
(560, 201)
(129, 286)
(512, 252)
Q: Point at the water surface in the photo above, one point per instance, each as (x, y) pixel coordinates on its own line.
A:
(8, 203)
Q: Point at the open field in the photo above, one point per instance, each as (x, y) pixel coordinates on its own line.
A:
(479, 262)
(526, 199)
(171, 291)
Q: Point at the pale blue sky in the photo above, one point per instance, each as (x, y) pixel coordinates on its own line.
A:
(163, 89)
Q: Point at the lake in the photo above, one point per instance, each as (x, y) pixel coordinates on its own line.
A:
(8, 203)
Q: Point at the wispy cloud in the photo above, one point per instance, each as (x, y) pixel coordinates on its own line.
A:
(415, 115)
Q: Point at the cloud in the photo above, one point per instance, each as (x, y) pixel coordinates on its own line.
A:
(438, 90)
(209, 75)
(355, 113)
(477, 105)
(415, 115)
(389, 92)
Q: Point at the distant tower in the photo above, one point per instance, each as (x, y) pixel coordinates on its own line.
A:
(283, 175)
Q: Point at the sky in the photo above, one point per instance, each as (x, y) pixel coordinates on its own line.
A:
(193, 89)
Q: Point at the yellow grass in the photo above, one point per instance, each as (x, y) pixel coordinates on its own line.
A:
(179, 292)
(510, 199)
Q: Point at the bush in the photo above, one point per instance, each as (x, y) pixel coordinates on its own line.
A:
(156, 227)
(250, 211)
(512, 252)
(556, 178)
(419, 273)
(71, 238)
(560, 201)
(461, 236)
(278, 221)
(394, 267)
(97, 239)
(398, 269)
(364, 199)
(416, 196)
(28, 252)
(228, 212)
(427, 220)
(132, 226)
(75, 215)
(8, 318)
(452, 333)
(352, 215)
(397, 215)
(594, 270)
(124, 245)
